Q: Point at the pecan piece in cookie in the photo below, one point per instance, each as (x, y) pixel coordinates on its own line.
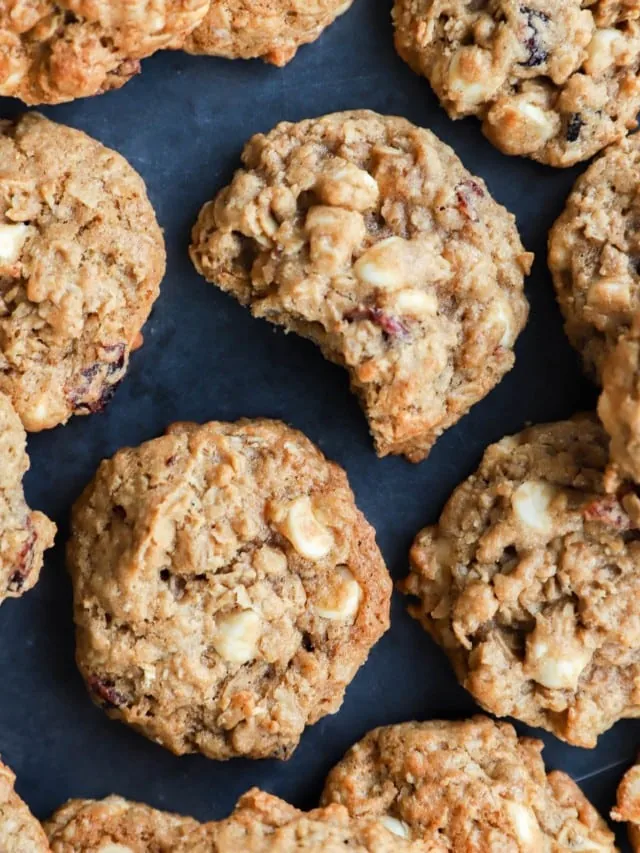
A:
(366, 235)
(24, 535)
(467, 785)
(531, 583)
(227, 589)
(79, 269)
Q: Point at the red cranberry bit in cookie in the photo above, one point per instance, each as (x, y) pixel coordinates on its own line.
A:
(105, 690)
(609, 511)
(391, 326)
(24, 562)
(465, 192)
(535, 25)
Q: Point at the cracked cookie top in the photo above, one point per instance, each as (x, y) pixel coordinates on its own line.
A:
(262, 823)
(555, 80)
(227, 589)
(270, 29)
(531, 583)
(20, 832)
(115, 825)
(469, 785)
(81, 259)
(54, 52)
(24, 535)
(366, 234)
(627, 808)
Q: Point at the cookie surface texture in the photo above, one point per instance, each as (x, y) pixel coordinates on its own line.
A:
(24, 534)
(227, 589)
(530, 582)
(469, 785)
(81, 260)
(270, 29)
(55, 52)
(555, 80)
(115, 825)
(366, 234)
(262, 823)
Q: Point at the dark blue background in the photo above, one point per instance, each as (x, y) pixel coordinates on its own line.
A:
(182, 124)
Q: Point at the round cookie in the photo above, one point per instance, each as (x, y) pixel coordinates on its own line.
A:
(227, 589)
(81, 260)
(366, 234)
(531, 583)
(114, 825)
(24, 535)
(555, 80)
(270, 29)
(20, 832)
(627, 808)
(470, 785)
(52, 52)
(262, 823)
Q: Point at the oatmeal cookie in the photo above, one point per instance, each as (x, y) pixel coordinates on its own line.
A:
(91, 826)
(366, 234)
(81, 260)
(52, 52)
(619, 411)
(555, 80)
(227, 589)
(262, 823)
(270, 29)
(627, 808)
(470, 785)
(24, 535)
(531, 583)
(20, 832)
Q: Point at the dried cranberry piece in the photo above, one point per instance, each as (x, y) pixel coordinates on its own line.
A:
(105, 370)
(24, 562)
(105, 691)
(535, 21)
(391, 326)
(607, 510)
(574, 126)
(465, 192)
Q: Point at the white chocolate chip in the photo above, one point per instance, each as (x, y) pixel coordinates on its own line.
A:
(340, 599)
(555, 654)
(500, 317)
(526, 827)
(602, 50)
(554, 667)
(309, 537)
(531, 502)
(470, 79)
(237, 635)
(345, 185)
(12, 239)
(416, 302)
(394, 263)
(395, 826)
(534, 119)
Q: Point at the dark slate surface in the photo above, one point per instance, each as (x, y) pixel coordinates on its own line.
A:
(182, 124)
